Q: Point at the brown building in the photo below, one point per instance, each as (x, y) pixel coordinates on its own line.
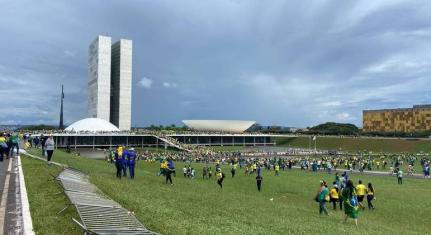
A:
(414, 119)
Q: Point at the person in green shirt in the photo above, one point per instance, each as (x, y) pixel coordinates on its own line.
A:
(14, 139)
(350, 202)
(400, 176)
(322, 197)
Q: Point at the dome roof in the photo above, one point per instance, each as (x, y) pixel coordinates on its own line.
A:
(92, 125)
(231, 126)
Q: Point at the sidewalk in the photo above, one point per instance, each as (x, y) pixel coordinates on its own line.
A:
(13, 199)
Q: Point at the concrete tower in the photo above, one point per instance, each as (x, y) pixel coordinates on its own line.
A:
(99, 78)
(110, 81)
(121, 84)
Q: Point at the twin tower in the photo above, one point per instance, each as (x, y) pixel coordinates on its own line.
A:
(110, 81)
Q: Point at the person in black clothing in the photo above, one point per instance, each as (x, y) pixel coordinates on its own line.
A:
(259, 179)
(118, 164)
(42, 141)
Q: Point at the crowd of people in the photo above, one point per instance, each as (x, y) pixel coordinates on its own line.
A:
(344, 194)
(8, 143)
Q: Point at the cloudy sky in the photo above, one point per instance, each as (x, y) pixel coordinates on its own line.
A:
(291, 63)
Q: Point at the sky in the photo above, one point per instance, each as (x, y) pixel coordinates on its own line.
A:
(289, 63)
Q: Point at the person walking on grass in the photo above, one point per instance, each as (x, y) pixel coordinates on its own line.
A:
(333, 194)
(350, 202)
(323, 197)
(427, 171)
(233, 169)
(259, 179)
(169, 170)
(361, 191)
(400, 176)
(49, 147)
(119, 163)
(220, 177)
(124, 158)
(370, 196)
(131, 161)
(277, 169)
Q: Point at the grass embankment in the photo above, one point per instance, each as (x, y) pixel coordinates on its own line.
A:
(200, 207)
(359, 144)
(45, 202)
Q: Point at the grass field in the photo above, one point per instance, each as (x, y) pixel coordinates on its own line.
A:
(200, 207)
(45, 202)
(355, 144)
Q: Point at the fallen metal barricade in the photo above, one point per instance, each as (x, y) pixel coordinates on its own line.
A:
(99, 214)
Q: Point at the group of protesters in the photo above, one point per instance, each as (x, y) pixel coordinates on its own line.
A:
(348, 196)
(8, 143)
(124, 159)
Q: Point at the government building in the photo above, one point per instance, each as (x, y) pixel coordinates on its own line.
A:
(416, 119)
(110, 81)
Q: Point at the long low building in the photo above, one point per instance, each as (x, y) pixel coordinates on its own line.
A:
(98, 133)
(416, 119)
(107, 140)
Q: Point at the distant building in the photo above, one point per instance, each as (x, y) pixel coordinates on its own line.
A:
(110, 81)
(121, 84)
(99, 78)
(408, 120)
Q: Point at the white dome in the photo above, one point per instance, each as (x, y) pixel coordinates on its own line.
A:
(231, 126)
(92, 125)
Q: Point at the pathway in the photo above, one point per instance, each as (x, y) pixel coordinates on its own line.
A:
(14, 211)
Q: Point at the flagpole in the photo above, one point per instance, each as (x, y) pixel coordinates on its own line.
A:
(309, 142)
(61, 126)
(315, 141)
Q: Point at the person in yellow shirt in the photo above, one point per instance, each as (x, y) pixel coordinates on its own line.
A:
(277, 169)
(370, 196)
(220, 178)
(361, 191)
(333, 194)
(3, 146)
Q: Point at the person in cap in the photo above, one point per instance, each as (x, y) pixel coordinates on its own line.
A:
(334, 195)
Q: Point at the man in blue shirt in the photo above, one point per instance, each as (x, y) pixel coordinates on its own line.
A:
(131, 159)
(124, 167)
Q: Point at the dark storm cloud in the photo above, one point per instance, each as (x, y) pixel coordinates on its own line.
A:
(295, 63)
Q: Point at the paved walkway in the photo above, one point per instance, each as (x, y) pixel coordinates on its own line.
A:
(10, 209)
(14, 208)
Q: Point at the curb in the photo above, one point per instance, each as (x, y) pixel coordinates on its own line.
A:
(26, 216)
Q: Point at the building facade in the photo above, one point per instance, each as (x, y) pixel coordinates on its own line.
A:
(99, 78)
(110, 81)
(121, 84)
(416, 119)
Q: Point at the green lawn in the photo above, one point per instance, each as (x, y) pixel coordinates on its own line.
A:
(44, 201)
(355, 144)
(200, 207)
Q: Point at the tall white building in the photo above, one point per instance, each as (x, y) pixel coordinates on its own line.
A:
(99, 78)
(110, 81)
(121, 84)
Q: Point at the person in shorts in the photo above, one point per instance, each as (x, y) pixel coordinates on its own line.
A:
(360, 192)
